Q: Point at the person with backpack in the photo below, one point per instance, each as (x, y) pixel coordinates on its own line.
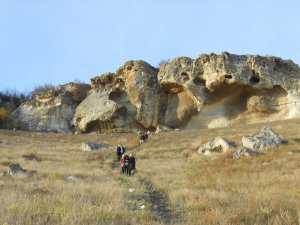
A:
(124, 163)
(131, 164)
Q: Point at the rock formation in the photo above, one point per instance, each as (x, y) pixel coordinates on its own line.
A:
(124, 101)
(221, 90)
(52, 110)
(264, 140)
(207, 92)
(216, 145)
(257, 144)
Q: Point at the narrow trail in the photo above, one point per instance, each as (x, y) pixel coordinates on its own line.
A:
(160, 205)
(156, 201)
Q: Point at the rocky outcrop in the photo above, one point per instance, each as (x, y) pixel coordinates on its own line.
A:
(207, 92)
(225, 89)
(264, 140)
(52, 110)
(124, 101)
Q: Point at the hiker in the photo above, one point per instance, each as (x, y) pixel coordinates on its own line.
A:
(120, 151)
(125, 164)
(131, 164)
(143, 137)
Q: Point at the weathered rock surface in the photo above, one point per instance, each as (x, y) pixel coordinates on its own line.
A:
(216, 145)
(52, 110)
(90, 146)
(264, 140)
(126, 100)
(225, 89)
(207, 92)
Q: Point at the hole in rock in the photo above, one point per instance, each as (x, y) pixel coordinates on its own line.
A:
(254, 80)
(228, 76)
(199, 81)
(185, 76)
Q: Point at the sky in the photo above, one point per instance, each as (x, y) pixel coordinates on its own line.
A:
(59, 41)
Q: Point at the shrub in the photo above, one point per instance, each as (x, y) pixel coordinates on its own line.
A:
(4, 113)
(42, 89)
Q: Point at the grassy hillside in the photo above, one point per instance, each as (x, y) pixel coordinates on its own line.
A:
(173, 185)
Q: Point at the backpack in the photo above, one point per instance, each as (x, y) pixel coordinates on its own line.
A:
(126, 161)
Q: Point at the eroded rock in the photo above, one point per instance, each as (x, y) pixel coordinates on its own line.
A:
(213, 90)
(266, 139)
(126, 100)
(216, 145)
(52, 110)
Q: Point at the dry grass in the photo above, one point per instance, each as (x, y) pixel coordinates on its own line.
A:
(176, 185)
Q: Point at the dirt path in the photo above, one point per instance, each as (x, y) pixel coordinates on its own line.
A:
(159, 202)
(156, 201)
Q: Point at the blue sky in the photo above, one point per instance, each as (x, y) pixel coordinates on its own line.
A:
(57, 41)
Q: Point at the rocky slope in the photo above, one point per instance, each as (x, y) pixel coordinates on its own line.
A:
(209, 91)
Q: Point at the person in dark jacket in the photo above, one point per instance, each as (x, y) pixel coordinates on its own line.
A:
(120, 151)
(131, 165)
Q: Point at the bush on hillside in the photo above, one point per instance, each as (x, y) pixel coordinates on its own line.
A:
(4, 113)
(42, 89)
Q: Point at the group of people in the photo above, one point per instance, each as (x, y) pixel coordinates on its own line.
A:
(127, 162)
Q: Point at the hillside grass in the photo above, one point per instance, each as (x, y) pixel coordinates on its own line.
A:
(173, 183)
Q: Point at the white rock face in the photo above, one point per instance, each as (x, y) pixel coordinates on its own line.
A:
(266, 139)
(216, 145)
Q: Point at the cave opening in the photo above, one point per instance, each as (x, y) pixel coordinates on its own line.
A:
(185, 77)
(228, 76)
(254, 80)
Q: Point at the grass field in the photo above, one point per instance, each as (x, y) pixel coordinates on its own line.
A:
(173, 184)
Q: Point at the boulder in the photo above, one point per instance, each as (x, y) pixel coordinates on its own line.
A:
(245, 152)
(90, 146)
(52, 110)
(216, 145)
(16, 170)
(72, 178)
(266, 139)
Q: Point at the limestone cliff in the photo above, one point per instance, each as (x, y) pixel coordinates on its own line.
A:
(209, 91)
